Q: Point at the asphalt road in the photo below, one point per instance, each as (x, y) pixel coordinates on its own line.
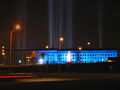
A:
(62, 83)
(83, 81)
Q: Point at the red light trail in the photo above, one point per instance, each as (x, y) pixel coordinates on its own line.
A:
(17, 76)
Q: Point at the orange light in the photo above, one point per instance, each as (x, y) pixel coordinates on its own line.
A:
(80, 48)
(17, 27)
(3, 54)
(28, 57)
(33, 52)
(61, 39)
(47, 47)
(28, 60)
(3, 50)
(89, 43)
(3, 47)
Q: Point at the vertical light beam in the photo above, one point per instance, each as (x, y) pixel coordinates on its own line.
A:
(100, 20)
(21, 19)
(69, 24)
(51, 16)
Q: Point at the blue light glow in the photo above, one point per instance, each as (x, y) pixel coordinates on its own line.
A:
(75, 56)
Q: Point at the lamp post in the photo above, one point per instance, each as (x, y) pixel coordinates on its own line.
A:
(61, 39)
(17, 27)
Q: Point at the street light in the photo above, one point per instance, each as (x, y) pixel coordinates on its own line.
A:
(61, 39)
(89, 43)
(80, 48)
(17, 27)
(47, 47)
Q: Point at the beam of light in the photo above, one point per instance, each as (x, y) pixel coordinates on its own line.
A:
(17, 76)
(69, 56)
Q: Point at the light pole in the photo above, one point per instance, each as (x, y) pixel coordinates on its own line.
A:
(61, 39)
(17, 27)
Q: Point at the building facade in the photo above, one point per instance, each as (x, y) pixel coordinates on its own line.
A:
(75, 56)
(37, 57)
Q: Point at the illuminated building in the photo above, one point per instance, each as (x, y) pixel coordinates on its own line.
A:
(75, 56)
(33, 57)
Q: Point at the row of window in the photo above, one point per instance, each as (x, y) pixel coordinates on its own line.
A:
(80, 58)
(85, 55)
(74, 61)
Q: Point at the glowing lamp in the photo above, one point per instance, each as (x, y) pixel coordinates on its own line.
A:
(80, 48)
(3, 54)
(89, 43)
(20, 61)
(17, 27)
(61, 39)
(3, 47)
(47, 47)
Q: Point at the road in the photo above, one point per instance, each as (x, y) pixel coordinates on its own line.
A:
(85, 81)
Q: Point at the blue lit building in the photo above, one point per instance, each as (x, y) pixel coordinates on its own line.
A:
(74, 56)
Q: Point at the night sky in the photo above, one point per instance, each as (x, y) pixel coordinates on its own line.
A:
(84, 23)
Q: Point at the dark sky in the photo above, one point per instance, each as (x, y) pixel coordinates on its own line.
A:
(84, 23)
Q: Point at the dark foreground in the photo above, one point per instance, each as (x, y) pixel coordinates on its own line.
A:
(81, 81)
(97, 76)
(101, 84)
